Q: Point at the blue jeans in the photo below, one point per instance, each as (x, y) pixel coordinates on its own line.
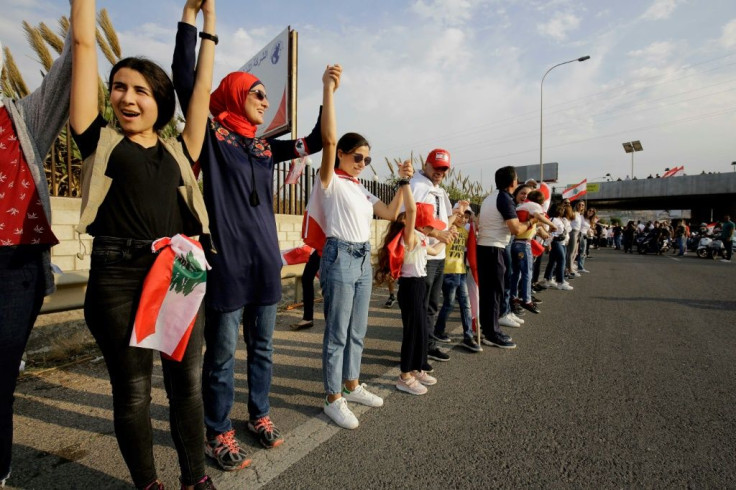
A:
(556, 264)
(521, 277)
(506, 299)
(682, 245)
(346, 281)
(582, 248)
(218, 374)
(455, 285)
(21, 289)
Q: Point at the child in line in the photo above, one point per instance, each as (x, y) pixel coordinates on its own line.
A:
(521, 250)
(404, 255)
(454, 283)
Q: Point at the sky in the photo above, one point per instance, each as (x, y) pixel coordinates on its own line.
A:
(464, 75)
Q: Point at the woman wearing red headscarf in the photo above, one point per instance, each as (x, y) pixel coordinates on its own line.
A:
(245, 280)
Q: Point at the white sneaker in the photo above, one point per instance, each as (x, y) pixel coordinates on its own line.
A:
(339, 412)
(506, 321)
(584, 270)
(362, 396)
(564, 287)
(424, 378)
(411, 385)
(576, 274)
(515, 318)
(550, 283)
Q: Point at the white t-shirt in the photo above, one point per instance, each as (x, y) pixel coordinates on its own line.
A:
(425, 191)
(415, 261)
(577, 222)
(496, 209)
(348, 209)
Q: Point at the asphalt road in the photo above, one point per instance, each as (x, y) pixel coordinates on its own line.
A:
(627, 381)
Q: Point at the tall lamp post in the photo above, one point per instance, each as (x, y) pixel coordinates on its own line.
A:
(541, 106)
(632, 147)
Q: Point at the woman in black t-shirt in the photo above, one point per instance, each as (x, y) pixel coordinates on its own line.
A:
(132, 184)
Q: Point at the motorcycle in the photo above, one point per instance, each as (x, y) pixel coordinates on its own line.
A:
(710, 248)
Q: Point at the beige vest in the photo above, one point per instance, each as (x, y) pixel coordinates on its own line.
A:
(95, 184)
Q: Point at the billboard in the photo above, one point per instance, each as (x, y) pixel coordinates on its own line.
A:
(275, 66)
(526, 172)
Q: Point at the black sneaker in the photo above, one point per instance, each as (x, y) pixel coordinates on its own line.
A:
(538, 287)
(437, 355)
(442, 337)
(518, 310)
(203, 484)
(225, 449)
(470, 344)
(530, 306)
(390, 301)
(267, 433)
(499, 342)
(505, 337)
(427, 368)
(537, 300)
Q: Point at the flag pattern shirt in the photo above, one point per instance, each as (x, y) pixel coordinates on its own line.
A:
(22, 218)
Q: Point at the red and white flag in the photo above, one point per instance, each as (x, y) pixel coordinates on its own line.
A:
(547, 195)
(296, 169)
(472, 278)
(296, 255)
(315, 219)
(576, 191)
(172, 293)
(674, 172)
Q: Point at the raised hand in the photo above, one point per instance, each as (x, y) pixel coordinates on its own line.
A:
(406, 169)
(331, 76)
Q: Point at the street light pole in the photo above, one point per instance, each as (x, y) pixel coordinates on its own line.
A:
(541, 107)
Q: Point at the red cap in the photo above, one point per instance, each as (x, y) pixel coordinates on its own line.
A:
(439, 158)
(425, 217)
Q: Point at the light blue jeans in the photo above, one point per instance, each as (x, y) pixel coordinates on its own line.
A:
(454, 285)
(346, 281)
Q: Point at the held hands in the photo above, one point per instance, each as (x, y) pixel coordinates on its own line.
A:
(331, 76)
(462, 206)
(446, 236)
(406, 169)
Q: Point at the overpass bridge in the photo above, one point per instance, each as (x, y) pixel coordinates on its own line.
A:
(704, 195)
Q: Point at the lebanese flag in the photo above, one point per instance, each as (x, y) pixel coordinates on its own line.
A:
(296, 168)
(576, 191)
(172, 294)
(315, 219)
(547, 195)
(296, 255)
(674, 171)
(472, 278)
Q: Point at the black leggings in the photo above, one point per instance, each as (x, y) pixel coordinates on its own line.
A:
(116, 277)
(310, 271)
(414, 318)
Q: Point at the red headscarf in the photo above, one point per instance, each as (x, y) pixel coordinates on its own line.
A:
(227, 102)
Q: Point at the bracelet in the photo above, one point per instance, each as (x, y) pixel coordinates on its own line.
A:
(211, 37)
(403, 182)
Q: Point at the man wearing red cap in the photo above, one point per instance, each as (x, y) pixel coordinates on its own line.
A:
(425, 186)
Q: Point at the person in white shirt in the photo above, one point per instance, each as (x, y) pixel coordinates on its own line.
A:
(425, 185)
(346, 275)
(576, 224)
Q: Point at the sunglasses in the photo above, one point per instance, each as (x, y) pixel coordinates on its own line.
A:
(357, 158)
(260, 94)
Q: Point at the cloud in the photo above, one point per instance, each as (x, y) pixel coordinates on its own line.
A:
(452, 12)
(559, 26)
(728, 39)
(660, 9)
(657, 52)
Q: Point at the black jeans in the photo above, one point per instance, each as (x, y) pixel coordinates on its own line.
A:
(310, 271)
(413, 317)
(119, 267)
(491, 272)
(432, 303)
(21, 295)
(729, 248)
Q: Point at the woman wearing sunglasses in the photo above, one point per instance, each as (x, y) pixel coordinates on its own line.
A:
(245, 281)
(345, 273)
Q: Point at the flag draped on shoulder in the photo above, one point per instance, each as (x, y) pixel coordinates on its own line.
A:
(472, 278)
(577, 191)
(315, 219)
(172, 294)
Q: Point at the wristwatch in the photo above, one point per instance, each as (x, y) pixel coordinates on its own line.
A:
(211, 37)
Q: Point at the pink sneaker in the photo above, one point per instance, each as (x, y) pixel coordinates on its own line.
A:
(411, 385)
(424, 378)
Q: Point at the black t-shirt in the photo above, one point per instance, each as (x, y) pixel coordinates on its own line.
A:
(143, 201)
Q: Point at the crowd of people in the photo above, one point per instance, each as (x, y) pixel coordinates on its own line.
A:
(139, 187)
